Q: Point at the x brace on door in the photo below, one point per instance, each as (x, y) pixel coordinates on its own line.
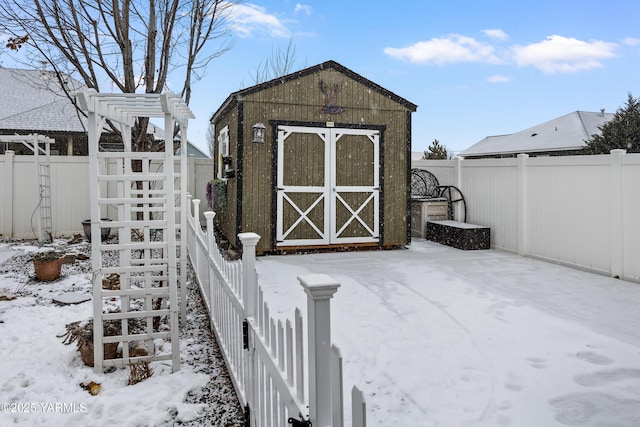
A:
(327, 186)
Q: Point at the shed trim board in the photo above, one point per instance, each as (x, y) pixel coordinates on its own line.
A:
(321, 200)
(239, 166)
(409, 166)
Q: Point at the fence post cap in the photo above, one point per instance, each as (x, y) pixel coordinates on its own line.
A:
(319, 286)
(249, 238)
(209, 214)
(196, 201)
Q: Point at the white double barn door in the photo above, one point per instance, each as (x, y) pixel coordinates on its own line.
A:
(327, 186)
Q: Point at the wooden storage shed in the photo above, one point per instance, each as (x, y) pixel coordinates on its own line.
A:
(319, 158)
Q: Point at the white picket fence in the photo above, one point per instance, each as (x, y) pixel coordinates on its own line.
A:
(266, 358)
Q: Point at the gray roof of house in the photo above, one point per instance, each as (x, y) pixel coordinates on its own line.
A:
(565, 133)
(32, 100)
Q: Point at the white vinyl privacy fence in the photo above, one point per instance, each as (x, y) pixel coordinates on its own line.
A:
(282, 376)
(580, 211)
(69, 188)
(576, 210)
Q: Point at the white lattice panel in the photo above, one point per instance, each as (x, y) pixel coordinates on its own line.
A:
(144, 253)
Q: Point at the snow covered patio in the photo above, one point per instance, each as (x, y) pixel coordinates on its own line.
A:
(439, 336)
(434, 336)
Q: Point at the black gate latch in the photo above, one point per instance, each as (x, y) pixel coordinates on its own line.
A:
(299, 423)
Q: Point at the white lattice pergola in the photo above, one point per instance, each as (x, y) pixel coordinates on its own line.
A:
(40, 145)
(150, 210)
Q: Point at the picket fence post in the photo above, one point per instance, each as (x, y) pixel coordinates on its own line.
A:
(319, 288)
(249, 274)
(209, 216)
(196, 213)
(250, 301)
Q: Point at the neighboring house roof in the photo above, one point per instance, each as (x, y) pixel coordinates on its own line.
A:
(293, 76)
(32, 100)
(563, 134)
(192, 150)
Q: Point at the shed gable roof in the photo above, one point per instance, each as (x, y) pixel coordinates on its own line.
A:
(564, 133)
(298, 74)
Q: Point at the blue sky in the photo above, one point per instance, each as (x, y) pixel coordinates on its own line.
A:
(474, 67)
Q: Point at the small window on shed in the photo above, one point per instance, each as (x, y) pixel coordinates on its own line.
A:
(223, 149)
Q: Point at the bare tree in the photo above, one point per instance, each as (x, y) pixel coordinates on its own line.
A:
(280, 63)
(123, 45)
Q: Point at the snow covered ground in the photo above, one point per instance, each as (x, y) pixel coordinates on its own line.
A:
(433, 335)
(40, 377)
(441, 337)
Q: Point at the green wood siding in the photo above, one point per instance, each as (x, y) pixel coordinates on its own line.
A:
(226, 221)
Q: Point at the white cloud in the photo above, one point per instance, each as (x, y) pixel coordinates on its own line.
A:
(558, 54)
(496, 34)
(304, 8)
(631, 41)
(497, 78)
(446, 50)
(248, 19)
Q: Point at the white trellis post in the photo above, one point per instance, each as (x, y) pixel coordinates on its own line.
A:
(183, 225)
(319, 288)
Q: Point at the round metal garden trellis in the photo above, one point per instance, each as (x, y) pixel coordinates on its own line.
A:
(147, 203)
(425, 185)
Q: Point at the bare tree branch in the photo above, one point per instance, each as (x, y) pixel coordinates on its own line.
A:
(280, 63)
(125, 44)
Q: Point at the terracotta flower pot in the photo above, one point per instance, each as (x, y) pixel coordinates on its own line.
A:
(47, 270)
(86, 352)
